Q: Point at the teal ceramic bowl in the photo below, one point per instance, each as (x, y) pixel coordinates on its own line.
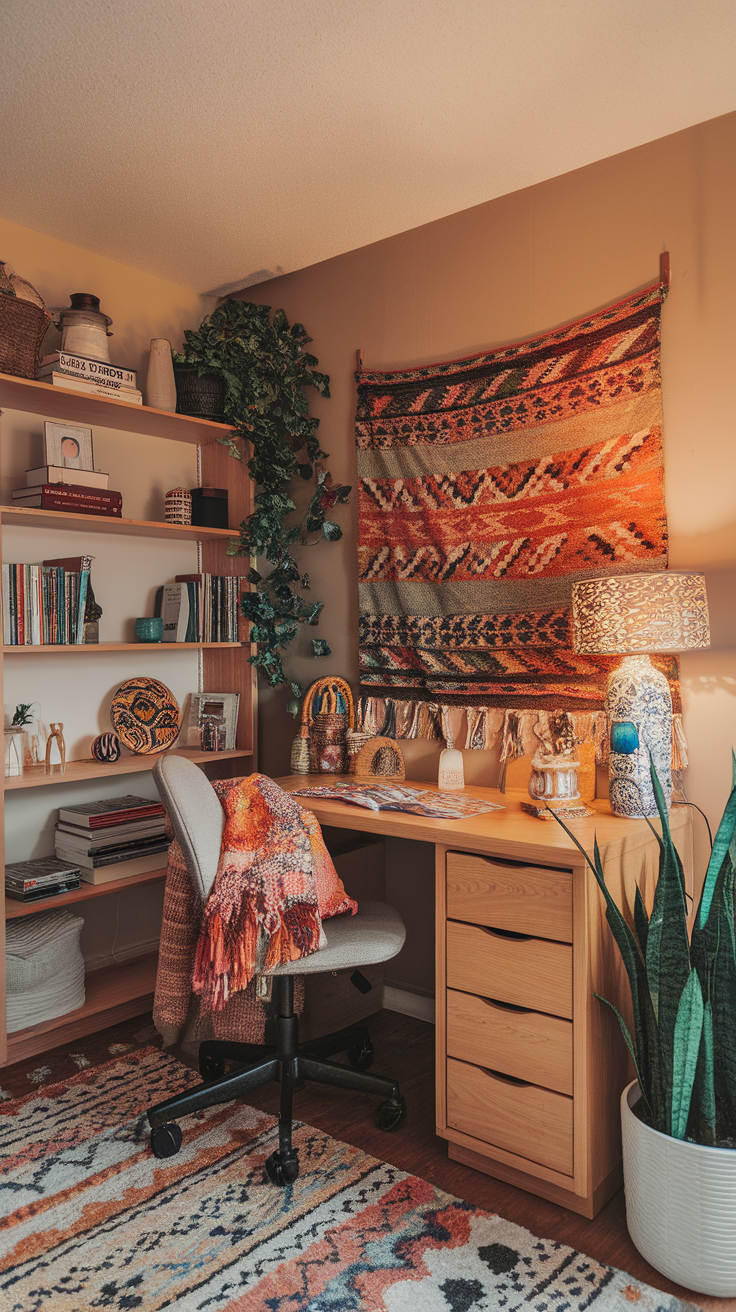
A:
(149, 629)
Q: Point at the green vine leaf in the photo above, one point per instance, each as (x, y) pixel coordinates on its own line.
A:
(266, 369)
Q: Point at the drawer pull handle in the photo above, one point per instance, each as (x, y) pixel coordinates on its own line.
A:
(506, 1006)
(507, 1079)
(507, 933)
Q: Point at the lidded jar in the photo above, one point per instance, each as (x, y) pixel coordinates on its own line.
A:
(84, 329)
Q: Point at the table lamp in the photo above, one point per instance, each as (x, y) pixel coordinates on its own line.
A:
(634, 615)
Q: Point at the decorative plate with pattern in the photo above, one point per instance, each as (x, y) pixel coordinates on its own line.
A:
(145, 715)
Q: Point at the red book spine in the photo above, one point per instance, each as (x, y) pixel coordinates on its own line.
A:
(85, 501)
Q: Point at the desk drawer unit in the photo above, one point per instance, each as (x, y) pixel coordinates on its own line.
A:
(509, 1044)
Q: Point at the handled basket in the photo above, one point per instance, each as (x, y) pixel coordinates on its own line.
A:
(23, 325)
(320, 746)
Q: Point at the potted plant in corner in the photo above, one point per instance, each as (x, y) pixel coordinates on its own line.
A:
(679, 1115)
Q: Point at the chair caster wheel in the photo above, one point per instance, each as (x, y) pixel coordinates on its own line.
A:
(166, 1140)
(391, 1113)
(282, 1170)
(361, 1055)
(211, 1068)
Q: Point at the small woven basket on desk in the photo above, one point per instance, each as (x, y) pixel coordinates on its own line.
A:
(320, 746)
(23, 327)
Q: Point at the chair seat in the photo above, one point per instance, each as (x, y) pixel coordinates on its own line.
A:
(375, 933)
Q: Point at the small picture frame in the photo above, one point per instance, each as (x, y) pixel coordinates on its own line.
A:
(67, 446)
(205, 706)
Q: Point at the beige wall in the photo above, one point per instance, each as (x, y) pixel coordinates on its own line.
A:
(519, 265)
(125, 571)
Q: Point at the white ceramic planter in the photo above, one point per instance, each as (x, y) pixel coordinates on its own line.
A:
(680, 1204)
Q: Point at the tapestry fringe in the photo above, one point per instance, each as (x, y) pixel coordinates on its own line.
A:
(517, 732)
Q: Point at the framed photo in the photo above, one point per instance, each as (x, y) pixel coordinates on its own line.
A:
(67, 446)
(205, 706)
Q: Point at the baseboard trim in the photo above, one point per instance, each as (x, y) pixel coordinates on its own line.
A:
(408, 1003)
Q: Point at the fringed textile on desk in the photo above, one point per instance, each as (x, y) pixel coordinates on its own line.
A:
(487, 486)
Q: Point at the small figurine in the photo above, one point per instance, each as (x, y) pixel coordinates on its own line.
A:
(57, 734)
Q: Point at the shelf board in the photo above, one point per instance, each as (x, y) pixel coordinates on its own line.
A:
(57, 648)
(113, 994)
(27, 517)
(60, 403)
(14, 910)
(77, 771)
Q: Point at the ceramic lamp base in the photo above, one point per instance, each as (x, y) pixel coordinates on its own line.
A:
(639, 710)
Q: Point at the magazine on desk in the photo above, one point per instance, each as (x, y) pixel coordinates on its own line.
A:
(396, 797)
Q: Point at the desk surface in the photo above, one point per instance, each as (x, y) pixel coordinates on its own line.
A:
(502, 832)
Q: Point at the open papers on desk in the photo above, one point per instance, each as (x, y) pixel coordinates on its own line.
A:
(395, 797)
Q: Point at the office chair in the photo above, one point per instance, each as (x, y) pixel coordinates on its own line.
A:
(376, 933)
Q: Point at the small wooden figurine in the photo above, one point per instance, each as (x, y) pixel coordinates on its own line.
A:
(57, 733)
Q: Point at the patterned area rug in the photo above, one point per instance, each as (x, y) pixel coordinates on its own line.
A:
(92, 1220)
(486, 487)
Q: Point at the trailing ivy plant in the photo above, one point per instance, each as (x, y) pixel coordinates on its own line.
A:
(266, 369)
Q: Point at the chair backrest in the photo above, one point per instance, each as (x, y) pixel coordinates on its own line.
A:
(196, 815)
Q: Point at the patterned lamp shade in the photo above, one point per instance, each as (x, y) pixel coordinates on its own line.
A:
(634, 613)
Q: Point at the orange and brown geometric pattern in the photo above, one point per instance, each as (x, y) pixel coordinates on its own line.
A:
(93, 1221)
(487, 486)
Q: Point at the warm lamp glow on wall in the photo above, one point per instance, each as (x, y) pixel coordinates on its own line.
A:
(634, 615)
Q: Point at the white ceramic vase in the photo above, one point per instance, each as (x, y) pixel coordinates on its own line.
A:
(160, 382)
(680, 1204)
(451, 776)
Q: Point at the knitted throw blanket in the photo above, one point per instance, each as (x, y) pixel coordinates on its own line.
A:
(263, 908)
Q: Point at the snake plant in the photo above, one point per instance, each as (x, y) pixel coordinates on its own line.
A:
(683, 988)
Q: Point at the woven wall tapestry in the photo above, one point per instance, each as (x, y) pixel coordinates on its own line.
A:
(486, 487)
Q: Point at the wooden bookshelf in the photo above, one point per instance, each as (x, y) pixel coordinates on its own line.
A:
(116, 993)
(113, 994)
(88, 768)
(27, 517)
(14, 910)
(107, 412)
(58, 648)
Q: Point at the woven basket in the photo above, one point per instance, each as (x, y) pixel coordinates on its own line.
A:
(23, 327)
(320, 745)
(355, 740)
(201, 396)
(327, 742)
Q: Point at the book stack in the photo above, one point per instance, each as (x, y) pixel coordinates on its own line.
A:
(113, 839)
(80, 373)
(45, 603)
(200, 607)
(45, 877)
(80, 498)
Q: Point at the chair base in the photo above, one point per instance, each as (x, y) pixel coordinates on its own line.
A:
(289, 1061)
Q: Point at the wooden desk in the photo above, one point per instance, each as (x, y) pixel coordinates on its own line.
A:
(529, 1065)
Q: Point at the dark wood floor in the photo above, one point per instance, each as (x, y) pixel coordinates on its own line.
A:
(405, 1050)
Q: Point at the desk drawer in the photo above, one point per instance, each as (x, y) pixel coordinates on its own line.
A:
(523, 1044)
(526, 899)
(521, 1118)
(528, 972)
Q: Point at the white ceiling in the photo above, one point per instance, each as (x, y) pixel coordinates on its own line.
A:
(216, 142)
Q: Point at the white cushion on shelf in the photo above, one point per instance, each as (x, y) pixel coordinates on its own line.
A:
(54, 998)
(42, 948)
